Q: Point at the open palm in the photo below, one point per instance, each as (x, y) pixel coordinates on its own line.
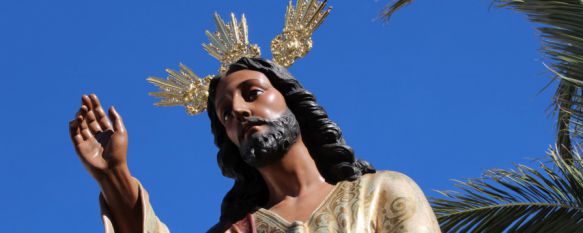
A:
(101, 145)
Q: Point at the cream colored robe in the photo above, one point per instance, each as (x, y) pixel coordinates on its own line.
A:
(381, 202)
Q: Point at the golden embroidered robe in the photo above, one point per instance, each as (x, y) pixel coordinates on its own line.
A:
(381, 202)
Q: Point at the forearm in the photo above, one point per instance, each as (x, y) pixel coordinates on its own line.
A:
(121, 192)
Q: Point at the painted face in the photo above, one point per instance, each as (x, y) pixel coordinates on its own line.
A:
(255, 117)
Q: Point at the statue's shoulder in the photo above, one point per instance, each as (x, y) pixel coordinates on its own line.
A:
(391, 181)
(401, 200)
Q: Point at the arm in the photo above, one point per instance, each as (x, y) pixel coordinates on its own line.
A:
(404, 206)
(149, 221)
(120, 193)
(101, 145)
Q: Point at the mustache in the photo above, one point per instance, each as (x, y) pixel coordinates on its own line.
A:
(255, 120)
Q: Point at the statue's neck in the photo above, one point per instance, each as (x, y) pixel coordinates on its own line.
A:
(295, 174)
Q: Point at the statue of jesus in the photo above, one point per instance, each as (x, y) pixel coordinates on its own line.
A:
(292, 169)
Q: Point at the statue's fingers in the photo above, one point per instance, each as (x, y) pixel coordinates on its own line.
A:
(84, 128)
(92, 122)
(100, 114)
(87, 113)
(74, 127)
(74, 132)
(82, 112)
(117, 121)
(87, 102)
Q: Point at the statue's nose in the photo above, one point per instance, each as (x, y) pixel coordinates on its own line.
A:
(241, 109)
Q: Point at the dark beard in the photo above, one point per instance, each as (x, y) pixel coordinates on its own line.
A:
(264, 148)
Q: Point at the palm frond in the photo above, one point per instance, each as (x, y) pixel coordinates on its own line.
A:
(525, 199)
(393, 7)
(561, 27)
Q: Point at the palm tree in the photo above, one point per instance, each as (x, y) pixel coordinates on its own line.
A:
(550, 198)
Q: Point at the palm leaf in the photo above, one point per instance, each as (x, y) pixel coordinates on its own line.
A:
(548, 199)
(393, 7)
(561, 27)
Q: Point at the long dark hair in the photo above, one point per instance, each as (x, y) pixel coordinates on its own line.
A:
(335, 160)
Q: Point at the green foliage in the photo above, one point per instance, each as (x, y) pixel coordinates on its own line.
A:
(561, 28)
(548, 199)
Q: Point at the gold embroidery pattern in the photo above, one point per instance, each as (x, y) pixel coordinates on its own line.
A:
(364, 206)
(400, 209)
(266, 223)
(338, 210)
(263, 227)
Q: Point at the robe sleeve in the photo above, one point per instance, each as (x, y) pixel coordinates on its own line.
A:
(403, 206)
(150, 222)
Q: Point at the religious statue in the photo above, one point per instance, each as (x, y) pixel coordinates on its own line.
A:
(292, 170)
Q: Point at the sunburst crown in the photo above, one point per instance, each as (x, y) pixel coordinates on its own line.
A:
(230, 42)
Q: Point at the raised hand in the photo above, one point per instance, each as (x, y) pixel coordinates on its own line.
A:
(101, 145)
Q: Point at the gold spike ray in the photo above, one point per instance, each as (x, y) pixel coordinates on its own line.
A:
(230, 42)
(300, 23)
(182, 88)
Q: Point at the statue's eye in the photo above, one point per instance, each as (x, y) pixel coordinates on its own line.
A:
(253, 94)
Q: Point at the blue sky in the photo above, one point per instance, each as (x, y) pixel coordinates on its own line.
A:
(445, 90)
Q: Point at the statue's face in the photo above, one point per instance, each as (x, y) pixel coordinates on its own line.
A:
(255, 117)
(243, 94)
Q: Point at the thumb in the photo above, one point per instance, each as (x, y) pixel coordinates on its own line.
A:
(117, 121)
